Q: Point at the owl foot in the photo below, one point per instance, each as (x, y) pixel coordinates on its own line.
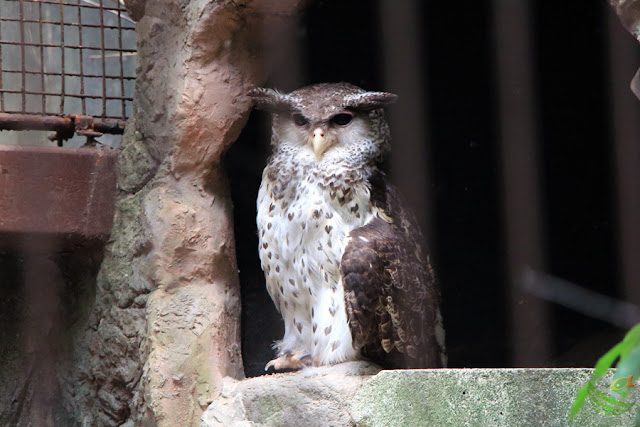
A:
(290, 360)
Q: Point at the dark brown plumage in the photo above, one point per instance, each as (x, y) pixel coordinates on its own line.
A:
(390, 288)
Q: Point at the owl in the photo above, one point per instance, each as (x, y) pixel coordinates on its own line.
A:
(343, 258)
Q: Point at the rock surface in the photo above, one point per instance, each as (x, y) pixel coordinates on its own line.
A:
(353, 394)
(313, 397)
(483, 397)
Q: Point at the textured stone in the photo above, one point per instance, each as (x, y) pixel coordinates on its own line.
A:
(135, 163)
(482, 397)
(312, 397)
(353, 394)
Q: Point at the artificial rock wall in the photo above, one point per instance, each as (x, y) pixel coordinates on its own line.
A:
(165, 327)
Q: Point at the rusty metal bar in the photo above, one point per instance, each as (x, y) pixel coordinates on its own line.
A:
(115, 127)
(9, 121)
(66, 125)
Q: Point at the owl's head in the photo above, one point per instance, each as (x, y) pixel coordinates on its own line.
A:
(336, 120)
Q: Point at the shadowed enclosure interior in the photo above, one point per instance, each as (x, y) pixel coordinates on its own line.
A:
(454, 52)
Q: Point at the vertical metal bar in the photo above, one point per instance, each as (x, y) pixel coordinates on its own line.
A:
(104, 66)
(624, 57)
(123, 113)
(82, 97)
(529, 327)
(22, 59)
(62, 61)
(403, 74)
(44, 98)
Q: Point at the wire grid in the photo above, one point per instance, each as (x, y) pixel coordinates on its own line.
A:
(61, 57)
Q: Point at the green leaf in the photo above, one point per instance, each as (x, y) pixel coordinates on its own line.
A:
(581, 396)
(628, 350)
(606, 361)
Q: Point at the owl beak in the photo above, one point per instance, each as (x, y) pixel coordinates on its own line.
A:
(319, 143)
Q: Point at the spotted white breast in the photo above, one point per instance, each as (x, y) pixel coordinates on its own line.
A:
(305, 214)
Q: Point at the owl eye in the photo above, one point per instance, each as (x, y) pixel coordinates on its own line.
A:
(342, 119)
(300, 120)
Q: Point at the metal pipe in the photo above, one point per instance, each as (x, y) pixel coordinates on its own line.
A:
(63, 125)
(10, 121)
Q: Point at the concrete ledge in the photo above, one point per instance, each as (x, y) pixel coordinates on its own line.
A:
(478, 397)
(352, 394)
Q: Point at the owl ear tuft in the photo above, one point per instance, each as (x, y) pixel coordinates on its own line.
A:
(269, 100)
(370, 100)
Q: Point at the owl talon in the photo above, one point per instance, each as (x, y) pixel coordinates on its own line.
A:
(305, 359)
(278, 363)
(290, 360)
(272, 363)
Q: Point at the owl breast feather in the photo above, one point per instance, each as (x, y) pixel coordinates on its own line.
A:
(303, 227)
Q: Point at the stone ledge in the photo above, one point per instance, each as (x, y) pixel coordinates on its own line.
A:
(482, 397)
(313, 397)
(355, 393)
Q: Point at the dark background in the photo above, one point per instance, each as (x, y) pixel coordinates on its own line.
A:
(342, 41)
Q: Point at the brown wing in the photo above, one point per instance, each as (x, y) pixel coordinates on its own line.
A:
(390, 288)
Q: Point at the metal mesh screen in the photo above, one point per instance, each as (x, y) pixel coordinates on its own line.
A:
(66, 57)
